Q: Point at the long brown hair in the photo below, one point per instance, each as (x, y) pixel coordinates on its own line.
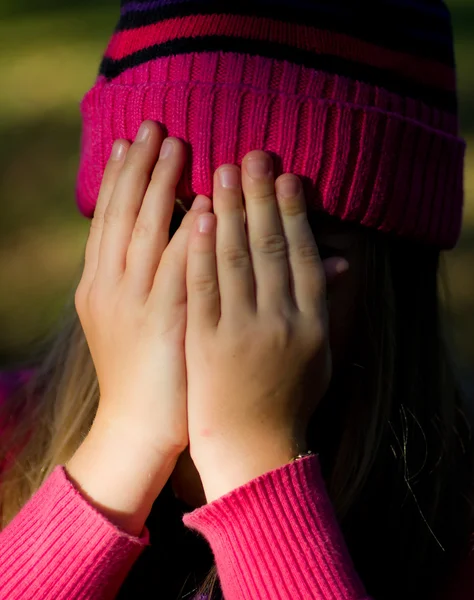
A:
(393, 434)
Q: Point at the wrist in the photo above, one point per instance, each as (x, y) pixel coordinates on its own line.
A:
(134, 438)
(119, 476)
(224, 468)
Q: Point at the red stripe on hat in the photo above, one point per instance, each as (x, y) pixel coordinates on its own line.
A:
(303, 37)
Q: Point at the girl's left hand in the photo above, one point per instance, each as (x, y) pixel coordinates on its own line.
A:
(257, 328)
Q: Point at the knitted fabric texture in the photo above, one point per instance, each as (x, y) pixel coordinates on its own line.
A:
(358, 99)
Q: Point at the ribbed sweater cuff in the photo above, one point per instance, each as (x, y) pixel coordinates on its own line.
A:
(61, 547)
(277, 537)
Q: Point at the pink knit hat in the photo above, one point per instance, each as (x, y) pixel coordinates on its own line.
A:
(365, 114)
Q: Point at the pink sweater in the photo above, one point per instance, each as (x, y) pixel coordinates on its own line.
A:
(274, 538)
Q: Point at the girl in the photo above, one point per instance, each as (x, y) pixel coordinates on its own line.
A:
(275, 371)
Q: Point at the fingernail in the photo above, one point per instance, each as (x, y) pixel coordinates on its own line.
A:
(229, 178)
(259, 168)
(166, 149)
(143, 133)
(289, 187)
(118, 150)
(206, 223)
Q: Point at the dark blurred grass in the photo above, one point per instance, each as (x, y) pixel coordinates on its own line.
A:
(49, 55)
(18, 8)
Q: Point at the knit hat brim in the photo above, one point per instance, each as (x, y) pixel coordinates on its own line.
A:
(364, 155)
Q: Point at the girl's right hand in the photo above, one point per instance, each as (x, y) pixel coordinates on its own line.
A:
(131, 302)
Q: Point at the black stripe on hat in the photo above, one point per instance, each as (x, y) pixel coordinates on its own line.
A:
(395, 26)
(442, 99)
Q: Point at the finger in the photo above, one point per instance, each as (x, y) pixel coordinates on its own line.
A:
(109, 179)
(126, 200)
(334, 267)
(201, 276)
(151, 232)
(234, 267)
(169, 285)
(307, 274)
(266, 239)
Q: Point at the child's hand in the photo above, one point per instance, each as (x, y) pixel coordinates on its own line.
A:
(257, 327)
(132, 296)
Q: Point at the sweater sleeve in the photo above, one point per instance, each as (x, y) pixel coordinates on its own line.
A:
(60, 547)
(277, 537)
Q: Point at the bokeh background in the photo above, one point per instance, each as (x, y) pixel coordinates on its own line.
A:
(49, 55)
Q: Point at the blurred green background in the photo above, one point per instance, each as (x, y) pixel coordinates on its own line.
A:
(49, 55)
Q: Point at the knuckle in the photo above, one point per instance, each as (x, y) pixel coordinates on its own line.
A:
(291, 207)
(205, 284)
(143, 230)
(282, 331)
(97, 220)
(273, 245)
(306, 253)
(135, 164)
(236, 257)
(112, 214)
(262, 196)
